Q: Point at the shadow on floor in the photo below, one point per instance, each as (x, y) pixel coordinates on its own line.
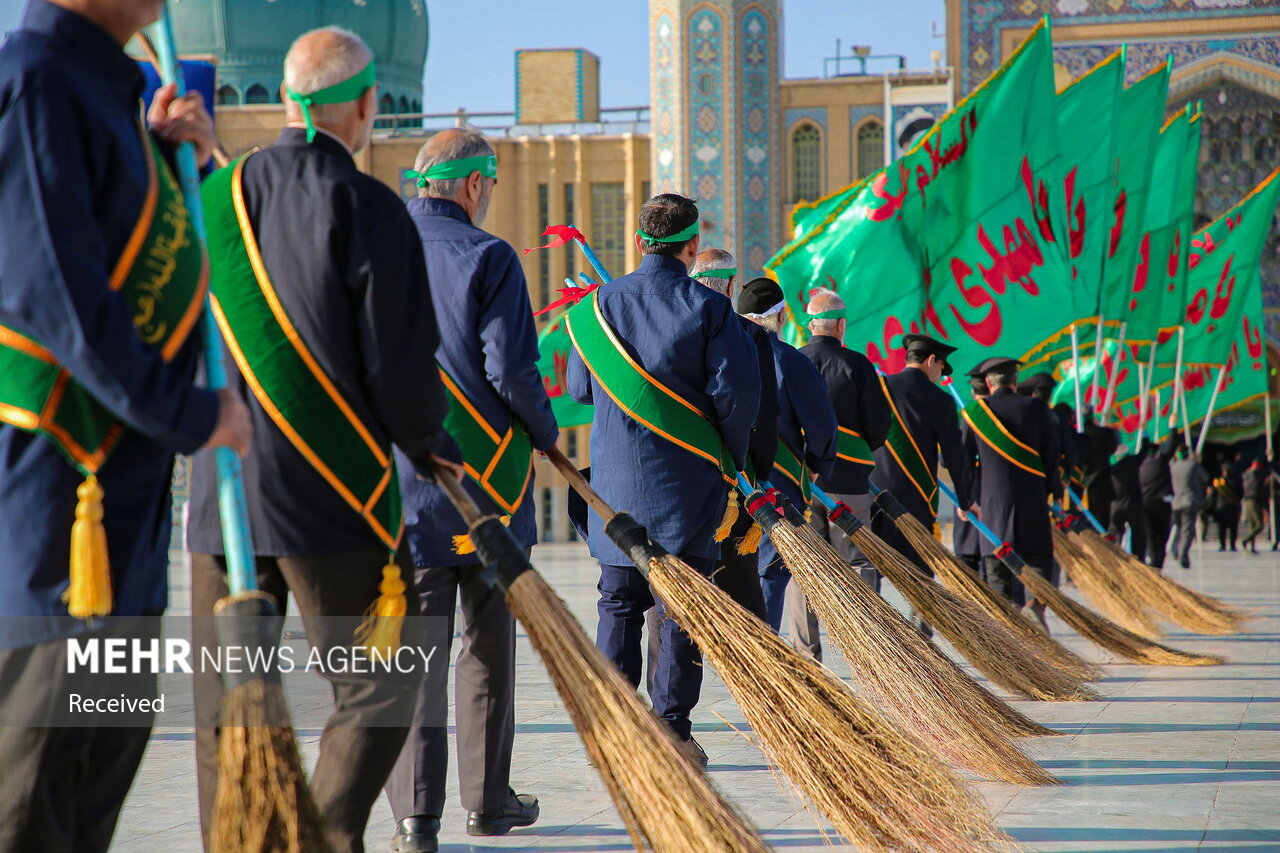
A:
(1206, 777)
(1142, 764)
(1033, 834)
(1141, 728)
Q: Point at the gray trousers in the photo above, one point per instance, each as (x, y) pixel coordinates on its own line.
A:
(484, 699)
(64, 780)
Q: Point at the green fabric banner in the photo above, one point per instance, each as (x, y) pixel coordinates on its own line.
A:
(553, 361)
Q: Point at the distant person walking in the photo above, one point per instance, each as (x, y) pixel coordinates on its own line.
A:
(1189, 482)
(1256, 488)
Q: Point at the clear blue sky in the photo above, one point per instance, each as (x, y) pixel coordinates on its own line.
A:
(470, 62)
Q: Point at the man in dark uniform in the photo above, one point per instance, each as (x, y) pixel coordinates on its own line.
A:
(687, 338)
(1100, 444)
(924, 424)
(361, 309)
(1126, 506)
(1040, 386)
(489, 352)
(966, 542)
(1016, 441)
(806, 430)
(78, 170)
(862, 420)
(735, 572)
(1157, 496)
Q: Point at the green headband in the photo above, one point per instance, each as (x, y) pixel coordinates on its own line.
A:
(485, 164)
(679, 237)
(833, 314)
(726, 274)
(339, 93)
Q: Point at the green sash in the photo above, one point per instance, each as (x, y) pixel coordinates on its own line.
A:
(794, 469)
(852, 447)
(640, 395)
(282, 372)
(500, 464)
(904, 450)
(162, 276)
(987, 426)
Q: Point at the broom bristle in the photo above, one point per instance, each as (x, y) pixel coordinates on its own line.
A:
(1105, 633)
(1101, 582)
(665, 802)
(263, 804)
(1187, 608)
(879, 788)
(922, 688)
(962, 580)
(995, 650)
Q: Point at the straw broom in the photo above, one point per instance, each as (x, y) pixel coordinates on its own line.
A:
(666, 803)
(1192, 610)
(1103, 587)
(962, 581)
(879, 788)
(1093, 627)
(263, 804)
(903, 672)
(995, 650)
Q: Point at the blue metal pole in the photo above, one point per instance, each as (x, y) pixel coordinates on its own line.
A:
(236, 541)
(1075, 499)
(594, 260)
(977, 523)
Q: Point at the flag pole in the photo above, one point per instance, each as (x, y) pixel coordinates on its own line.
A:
(1097, 361)
(1208, 415)
(1142, 409)
(1179, 393)
(1155, 421)
(1113, 378)
(1075, 366)
(1271, 492)
(1146, 390)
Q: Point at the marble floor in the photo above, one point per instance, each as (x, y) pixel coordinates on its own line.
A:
(1173, 759)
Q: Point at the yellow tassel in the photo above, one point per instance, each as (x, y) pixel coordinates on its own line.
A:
(750, 543)
(462, 543)
(89, 593)
(385, 617)
(808, 514)
(730, 517)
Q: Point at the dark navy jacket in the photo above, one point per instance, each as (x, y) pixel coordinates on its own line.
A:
(806, 421)
(764, 435)
(1015, 501)
(931, 417)
(72, 183)
(859, 403)
(347, 265)
(489, 347)
(688, 338)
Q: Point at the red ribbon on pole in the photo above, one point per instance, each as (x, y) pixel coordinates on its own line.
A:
(572, 295)
(561, 234)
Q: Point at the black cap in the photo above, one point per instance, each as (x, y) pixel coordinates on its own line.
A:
(759, 296)
(994, 363)
(1037, 381)
(926, 345)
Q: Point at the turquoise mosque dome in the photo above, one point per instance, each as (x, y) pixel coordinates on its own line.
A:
(247, 39)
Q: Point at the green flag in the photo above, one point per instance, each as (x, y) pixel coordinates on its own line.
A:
(1138, 124)
(962, 238)
(553, 360)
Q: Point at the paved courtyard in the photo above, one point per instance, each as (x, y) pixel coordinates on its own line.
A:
(1172, 759)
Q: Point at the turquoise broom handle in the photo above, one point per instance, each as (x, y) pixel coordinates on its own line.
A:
(236, 541)
(593, 259)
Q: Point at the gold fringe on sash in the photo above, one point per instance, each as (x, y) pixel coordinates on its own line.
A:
(750, 543)
(730, 517)
(463, 545)
(385, 617)
(89, 593)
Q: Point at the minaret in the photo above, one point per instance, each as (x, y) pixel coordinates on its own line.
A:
(714, 67)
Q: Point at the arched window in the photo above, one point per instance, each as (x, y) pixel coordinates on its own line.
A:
(404, 104)
(806, 163)
(386, 104)
(870, 149)
(228, 96)
(257, 94)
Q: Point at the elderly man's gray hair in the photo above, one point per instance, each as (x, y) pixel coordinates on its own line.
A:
(452, 144)
(322, 58)
(824, 299)
(713, 259)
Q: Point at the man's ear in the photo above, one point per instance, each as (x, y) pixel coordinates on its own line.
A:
(367, 106)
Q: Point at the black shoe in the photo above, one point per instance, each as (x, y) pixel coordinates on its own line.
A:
(1186, 564)
(416, 834)
(694, 750)
(520, 810)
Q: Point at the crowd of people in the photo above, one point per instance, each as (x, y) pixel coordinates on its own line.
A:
(374, 348)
